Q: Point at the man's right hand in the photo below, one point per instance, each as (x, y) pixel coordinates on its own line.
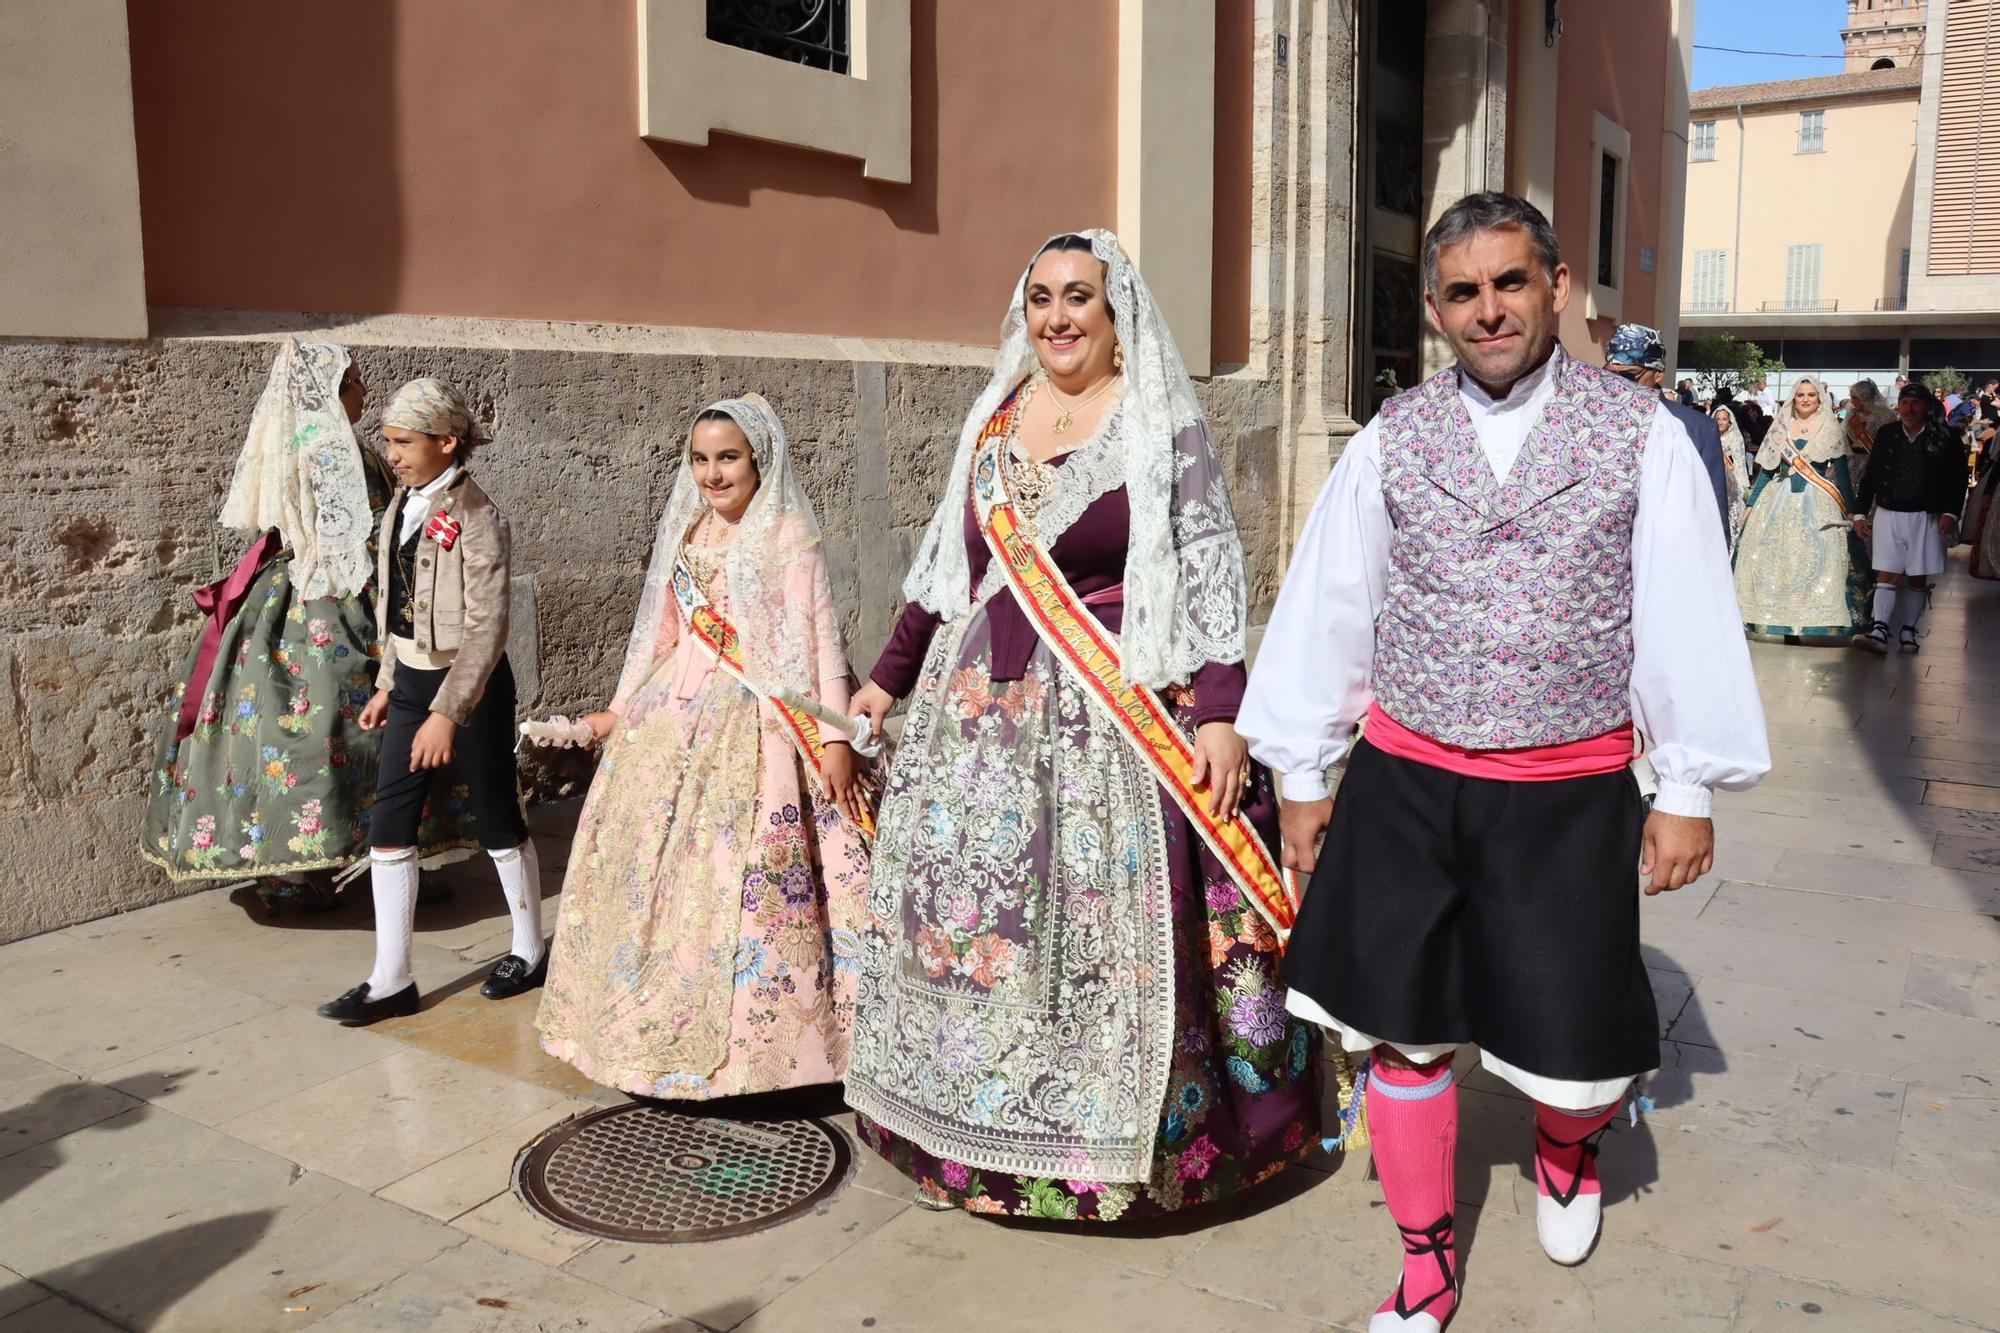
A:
(1302, 824)
(375, 712)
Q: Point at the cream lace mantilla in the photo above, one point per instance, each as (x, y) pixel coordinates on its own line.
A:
(300, 472)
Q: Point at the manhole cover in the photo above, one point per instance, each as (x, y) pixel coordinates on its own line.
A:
(644, 1173)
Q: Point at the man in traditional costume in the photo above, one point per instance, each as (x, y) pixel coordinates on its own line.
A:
(1915, 486)
(1510, 569)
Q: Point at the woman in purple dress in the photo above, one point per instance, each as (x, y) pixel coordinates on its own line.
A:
(1068, 1002)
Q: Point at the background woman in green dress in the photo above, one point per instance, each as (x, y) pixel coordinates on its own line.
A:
(262, 771)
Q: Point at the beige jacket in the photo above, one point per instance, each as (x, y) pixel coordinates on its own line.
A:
(461, 595)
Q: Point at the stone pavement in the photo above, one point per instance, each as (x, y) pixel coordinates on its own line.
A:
(183, 1145)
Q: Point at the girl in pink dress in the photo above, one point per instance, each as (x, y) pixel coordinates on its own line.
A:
(708, 941)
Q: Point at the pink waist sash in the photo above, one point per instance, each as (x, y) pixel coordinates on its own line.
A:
(1587, 758)
(220, 600)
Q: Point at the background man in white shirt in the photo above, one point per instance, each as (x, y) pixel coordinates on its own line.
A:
(1510, 573)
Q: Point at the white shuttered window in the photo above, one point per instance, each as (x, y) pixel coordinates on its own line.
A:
(1711, 280)
(1812, 131)
(1965, 214)
(1802, 263)
(1701, 141)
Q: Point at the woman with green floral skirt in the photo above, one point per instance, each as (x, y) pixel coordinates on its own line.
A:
(262, 771)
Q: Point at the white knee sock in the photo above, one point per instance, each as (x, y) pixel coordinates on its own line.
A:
(521, 879)
(1885, 603)
(1910, 606)
(394, 875)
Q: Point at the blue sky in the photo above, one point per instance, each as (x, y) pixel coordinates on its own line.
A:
(1811, 26)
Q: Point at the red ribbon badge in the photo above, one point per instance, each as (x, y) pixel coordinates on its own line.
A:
(442, 529)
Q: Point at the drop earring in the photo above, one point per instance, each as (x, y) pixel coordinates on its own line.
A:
(1118, 356)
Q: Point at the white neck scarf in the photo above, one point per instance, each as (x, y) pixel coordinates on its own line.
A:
(417, 502)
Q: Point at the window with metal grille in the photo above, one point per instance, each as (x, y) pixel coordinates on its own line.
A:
(805, 32)
(1903, 283)
(1701, 141)
(1802, 264)
(1711, 280)
(1812, 131)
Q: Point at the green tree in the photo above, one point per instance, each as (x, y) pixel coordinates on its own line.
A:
(1949, 379)
(1725, 361)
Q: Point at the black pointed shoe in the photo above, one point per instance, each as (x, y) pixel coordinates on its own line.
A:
(356, 1010)
(512, 975)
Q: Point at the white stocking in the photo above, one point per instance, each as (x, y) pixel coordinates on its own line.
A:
(521, 879)
(394, 875)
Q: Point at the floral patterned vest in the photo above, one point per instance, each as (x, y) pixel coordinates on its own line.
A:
(1508, 621)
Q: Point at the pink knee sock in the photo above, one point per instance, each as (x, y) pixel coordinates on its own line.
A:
(1413, 1123)
(1563, 1151)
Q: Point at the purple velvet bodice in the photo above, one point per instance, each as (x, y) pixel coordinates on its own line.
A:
(1091, 555)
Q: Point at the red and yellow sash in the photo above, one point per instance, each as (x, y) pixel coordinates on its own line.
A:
(1067, 626)
(719, 637)
(1803, 467)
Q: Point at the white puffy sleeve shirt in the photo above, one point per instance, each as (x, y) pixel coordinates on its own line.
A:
(1694, 696)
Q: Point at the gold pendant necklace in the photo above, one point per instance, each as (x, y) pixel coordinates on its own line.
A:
(1066, 415)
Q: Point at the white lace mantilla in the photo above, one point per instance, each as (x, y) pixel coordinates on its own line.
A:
(1186, 601)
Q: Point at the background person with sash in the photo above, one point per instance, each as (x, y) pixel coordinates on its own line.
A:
(1736, 456)
(1511, 569)
(263, 770)
(1800, 569)
(1069, 1004)
(708, 937)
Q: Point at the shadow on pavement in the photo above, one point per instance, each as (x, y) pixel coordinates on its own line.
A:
(136, 1284)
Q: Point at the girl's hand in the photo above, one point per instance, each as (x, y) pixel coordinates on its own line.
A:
(875, 702)
(839, 766)
(432, 746)
(1221, 759)
(601, 724)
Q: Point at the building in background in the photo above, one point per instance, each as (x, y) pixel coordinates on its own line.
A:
(1850, 225)
(598, 216)
(1879, 30)
(1800, 194)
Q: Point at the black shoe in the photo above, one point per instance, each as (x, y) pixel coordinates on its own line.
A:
(356, 1010)
(512, 975)
(1909, 638)
(1874, 639)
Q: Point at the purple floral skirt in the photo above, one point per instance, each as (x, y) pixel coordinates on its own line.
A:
(1242, 1100)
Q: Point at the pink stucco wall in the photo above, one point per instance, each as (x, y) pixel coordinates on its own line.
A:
(481, 157)
(1611, 60)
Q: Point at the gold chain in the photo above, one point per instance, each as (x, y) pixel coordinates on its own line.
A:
(1066, 415)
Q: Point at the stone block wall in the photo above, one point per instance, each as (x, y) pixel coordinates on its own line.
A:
(114, 458)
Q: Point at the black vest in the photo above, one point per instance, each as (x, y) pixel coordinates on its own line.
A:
(403, 578)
